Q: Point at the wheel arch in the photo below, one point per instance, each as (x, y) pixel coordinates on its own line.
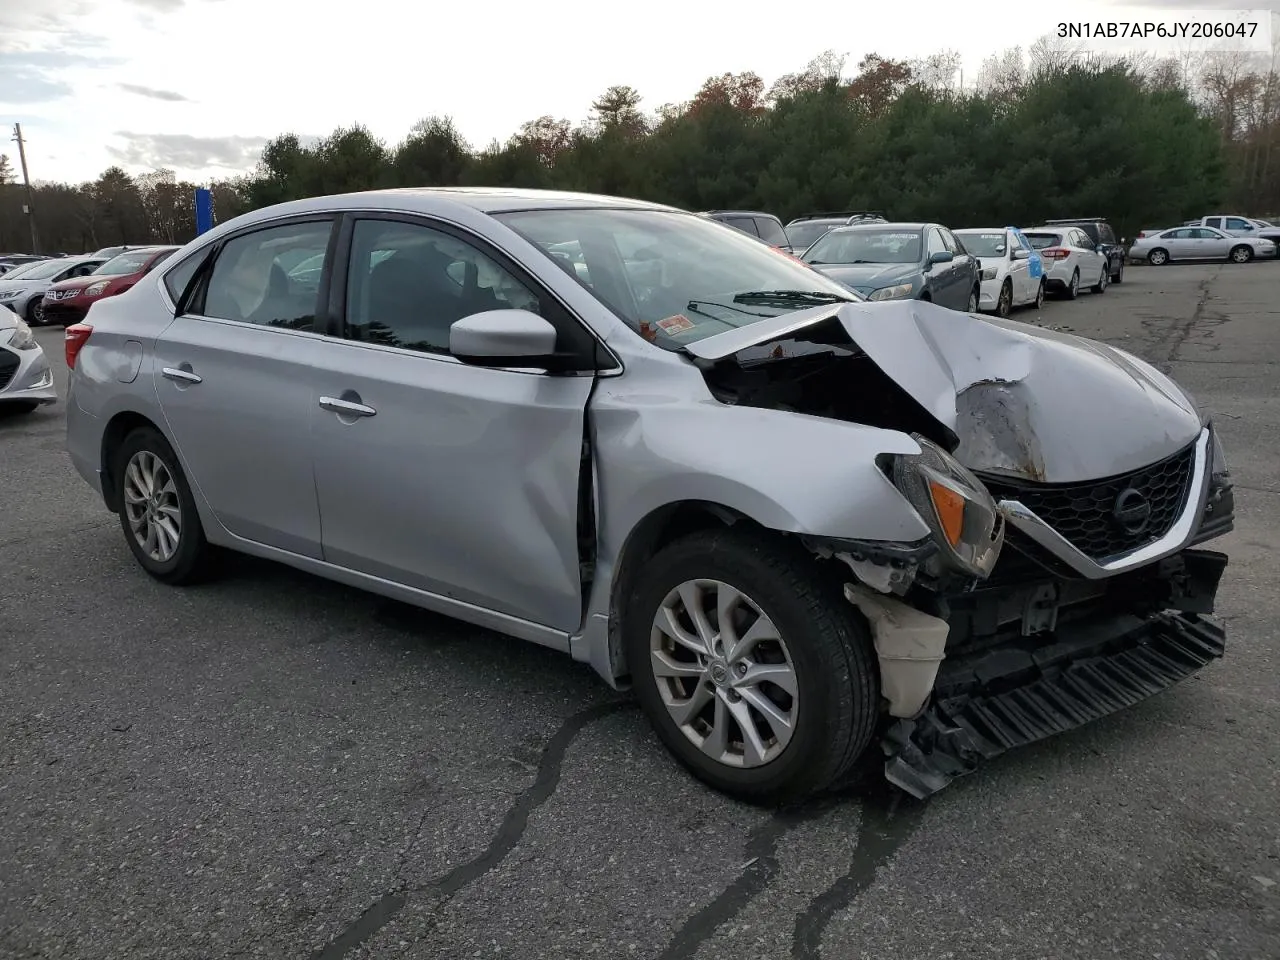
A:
(113, 435)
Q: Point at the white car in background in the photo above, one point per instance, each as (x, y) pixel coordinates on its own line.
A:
(1071, 260)
(1012, 271)
(22, 290)
(26, 380)
(1198, 243)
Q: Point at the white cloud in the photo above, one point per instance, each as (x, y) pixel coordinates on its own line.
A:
(200, 84)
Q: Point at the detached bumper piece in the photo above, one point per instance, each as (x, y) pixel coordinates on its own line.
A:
(987, 704)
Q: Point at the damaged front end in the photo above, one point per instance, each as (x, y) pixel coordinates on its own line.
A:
(1063, 579)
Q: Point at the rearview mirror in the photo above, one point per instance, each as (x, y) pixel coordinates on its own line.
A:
(1021, 254)
(505, 338)
(942, 256)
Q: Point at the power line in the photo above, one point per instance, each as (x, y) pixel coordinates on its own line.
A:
(30, 208)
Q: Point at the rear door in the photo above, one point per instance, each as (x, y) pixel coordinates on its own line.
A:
(457, 480)
(235, 380)
(1182, 244)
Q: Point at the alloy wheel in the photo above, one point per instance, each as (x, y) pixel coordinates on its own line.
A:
(152, 507)
(1005, 305)
(1240, 255)
(724, 673)
(973, 301)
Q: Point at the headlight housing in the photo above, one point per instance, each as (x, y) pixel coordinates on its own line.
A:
(958, 509)
(9, 294)
(23, 338)
(988, 273)
(96, 288)
(895, 292)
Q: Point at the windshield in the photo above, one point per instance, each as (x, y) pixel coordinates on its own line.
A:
(674, 278)
(1042, 241)
(981, 243)
(866, 245)
(802, 235)
(1262, 224)
(124, 264)
(40, 270)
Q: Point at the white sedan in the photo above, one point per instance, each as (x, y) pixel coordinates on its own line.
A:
(1071, 260)
(1198, 243)
(26, 380)
(1012, 271)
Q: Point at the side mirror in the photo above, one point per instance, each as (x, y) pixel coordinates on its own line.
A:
(942, 256)
(1021, 254)
(505, 338)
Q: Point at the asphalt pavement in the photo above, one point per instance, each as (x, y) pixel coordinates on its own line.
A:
(275, 766)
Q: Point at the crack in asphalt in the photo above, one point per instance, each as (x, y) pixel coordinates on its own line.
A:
(762, 866)
(1171, 341)
(888, 820)
(385, 908)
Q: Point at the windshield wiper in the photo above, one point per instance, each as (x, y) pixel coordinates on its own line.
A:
(694, 306)
(812, 297)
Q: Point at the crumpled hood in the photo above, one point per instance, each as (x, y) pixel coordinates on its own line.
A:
(865, 277)
(1022, 401)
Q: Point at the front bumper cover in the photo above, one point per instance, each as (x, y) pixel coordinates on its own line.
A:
(994, 699)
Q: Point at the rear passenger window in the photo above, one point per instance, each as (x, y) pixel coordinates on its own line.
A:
(1235, 223)
(270, 277)
(409, 284)
(771, 231)
(177, 279)
(745, 224)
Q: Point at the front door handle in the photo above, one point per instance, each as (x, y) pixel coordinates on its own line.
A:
(183, 374)
(347, 408)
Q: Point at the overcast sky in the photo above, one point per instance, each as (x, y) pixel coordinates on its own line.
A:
(199, 85)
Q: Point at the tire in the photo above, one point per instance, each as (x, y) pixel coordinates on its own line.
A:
(1118, 276)
(1101, 285)
(1004, 301)
(1072, 289)
(926, 298)
(823, 640)
(1241, 254)
(974, 296)
(187, 563)
(34, 314)
(1158, 257)
(1039, 304)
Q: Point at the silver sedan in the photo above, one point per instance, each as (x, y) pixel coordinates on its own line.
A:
(676, 454)
(26, 381)
(1199, 243)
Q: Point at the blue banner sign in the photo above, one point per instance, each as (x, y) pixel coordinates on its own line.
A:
(204, 210)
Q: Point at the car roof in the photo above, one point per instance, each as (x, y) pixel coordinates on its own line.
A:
(882, 225)
(983, 229)
(740, 213)
(482, 199)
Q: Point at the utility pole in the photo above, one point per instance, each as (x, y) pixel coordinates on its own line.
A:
(26, 182)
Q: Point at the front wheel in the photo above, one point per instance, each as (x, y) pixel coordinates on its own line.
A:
(754, 670)
(1004, 303)
(157, 511)
(1241, 254)
(973, 301)
(1039, 304)
(35, 312)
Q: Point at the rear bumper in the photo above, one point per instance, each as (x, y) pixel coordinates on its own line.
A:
(1136, 639)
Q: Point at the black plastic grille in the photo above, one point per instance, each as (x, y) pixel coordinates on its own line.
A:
(1083, 513)
(8, 367)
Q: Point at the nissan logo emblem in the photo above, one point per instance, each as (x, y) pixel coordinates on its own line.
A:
(1131, 512)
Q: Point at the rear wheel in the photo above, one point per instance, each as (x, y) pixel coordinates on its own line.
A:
(1073, 287)
(1118, 276)
(157, 511)
(1101, 285)
(754, 670)
(1241, 254)
(1158, 257)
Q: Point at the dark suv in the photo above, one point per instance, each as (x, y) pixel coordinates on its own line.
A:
(803, 231)
(764, 226)
(1104, 237)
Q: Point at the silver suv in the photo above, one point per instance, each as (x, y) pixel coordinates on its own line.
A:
(798, 525)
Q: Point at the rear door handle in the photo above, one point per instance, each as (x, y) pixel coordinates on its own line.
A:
(182, 374)
(348, 408)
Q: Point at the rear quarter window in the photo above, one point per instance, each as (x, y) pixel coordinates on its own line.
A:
(177, 279)
(771, 230)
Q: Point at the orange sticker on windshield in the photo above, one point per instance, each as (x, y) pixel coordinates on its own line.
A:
(677, 324)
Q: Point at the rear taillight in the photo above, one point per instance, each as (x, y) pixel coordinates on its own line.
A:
(77, 335)
(1055, 253)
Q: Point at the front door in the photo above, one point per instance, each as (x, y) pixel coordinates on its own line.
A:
(454, 479)
(233, 377)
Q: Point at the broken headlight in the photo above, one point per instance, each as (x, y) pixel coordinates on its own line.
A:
(962, 514)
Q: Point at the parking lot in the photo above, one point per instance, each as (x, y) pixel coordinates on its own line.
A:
(276, 766)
